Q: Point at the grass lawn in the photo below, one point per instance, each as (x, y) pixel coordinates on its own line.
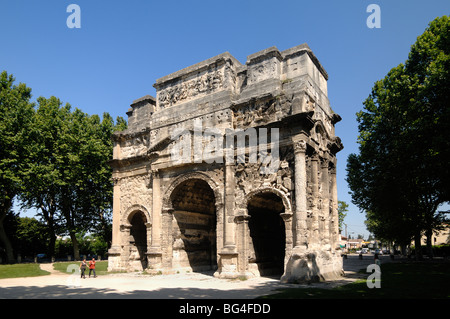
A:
(409, 280)
(21, 270)
(100, 267)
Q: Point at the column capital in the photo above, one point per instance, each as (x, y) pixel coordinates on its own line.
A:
(315, 157)
(300, 146)
(324, 162)
(154, 173)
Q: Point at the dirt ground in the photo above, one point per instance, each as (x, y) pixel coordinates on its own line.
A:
(178, 286)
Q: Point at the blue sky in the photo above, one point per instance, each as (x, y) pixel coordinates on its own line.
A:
(122, 47)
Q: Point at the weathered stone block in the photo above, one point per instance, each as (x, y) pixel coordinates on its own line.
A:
(233, 216)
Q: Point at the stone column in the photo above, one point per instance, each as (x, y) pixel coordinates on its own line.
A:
(325, 203)
(228, 254)
(116, 240)
(300, 195)
(315, 193)
(156, 210)
(148, 227)
(335, 234)
(154, 251)
(242, 219)
(228, 222)
(125, 242)
(287, 219)
(167, 238)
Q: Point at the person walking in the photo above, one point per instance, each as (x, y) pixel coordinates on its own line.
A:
(377, 259)
(92, 267)
(83, 266)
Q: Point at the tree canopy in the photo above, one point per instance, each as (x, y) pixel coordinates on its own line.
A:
(400, 176)
(55, 159)
(16, 113)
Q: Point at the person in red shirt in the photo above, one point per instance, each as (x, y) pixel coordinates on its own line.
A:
(92, 267)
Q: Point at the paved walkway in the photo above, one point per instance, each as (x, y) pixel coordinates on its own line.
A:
(180, 286)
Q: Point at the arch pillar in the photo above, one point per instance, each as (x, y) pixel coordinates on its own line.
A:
(154, 251)
(228, 255)
(115, 250)
(241, 219)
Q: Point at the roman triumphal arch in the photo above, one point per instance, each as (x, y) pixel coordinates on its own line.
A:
(231, 169)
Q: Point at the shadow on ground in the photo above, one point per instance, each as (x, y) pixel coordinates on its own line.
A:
(64, 292)
(351, 266)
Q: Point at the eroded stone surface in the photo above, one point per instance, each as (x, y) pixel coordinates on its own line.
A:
(174, 216)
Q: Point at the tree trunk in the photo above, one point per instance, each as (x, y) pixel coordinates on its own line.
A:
(51, 246)
(5, 207)
(418, 245)
(76, 249)
(7, 244)
(404, 249)
(48, 217)
(429, 234)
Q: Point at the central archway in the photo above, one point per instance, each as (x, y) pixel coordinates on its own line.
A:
(267, 233)
(194, 227)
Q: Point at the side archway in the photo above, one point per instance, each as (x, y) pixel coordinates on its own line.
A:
(137, 225)
(133, 210)
(269, 230)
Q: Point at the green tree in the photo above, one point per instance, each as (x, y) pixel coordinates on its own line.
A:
(342, 209)
(86, 194)
(428, 65)
(42, 172)
(31, 236)
(398, 177)
(68, 177)
(16, 113)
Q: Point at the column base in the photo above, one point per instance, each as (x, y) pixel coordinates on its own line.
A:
(154, 259)
(227, 265)
(114, 259)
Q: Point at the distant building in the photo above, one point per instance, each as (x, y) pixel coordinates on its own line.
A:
(440, 238)
(355, 243)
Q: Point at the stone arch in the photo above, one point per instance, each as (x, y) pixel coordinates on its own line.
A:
(167, 204)
(133, 210)
(284, 197)
(136, 225)
(320, 134)
(276, 241)
(193, 222)
(319, 127)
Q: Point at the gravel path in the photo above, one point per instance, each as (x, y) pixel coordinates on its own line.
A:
(192, 285)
